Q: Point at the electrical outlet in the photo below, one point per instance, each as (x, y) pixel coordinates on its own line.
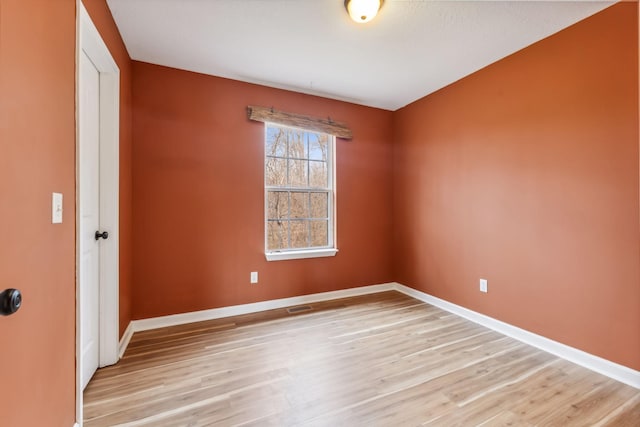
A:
(483, 285)
(254, 277)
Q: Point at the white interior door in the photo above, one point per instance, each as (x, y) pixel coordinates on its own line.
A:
(89, 215)
(97, 206)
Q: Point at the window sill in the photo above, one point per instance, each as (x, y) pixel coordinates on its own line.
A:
(307, 253)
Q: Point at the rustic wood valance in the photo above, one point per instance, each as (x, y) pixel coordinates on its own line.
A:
(264, 114)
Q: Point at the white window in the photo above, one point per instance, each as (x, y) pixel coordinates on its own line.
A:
(299, 193)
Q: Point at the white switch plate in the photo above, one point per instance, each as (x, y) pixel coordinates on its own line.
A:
(56, 208)
(483, 285)
(254, 277)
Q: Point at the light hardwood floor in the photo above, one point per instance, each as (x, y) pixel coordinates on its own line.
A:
(378, 360)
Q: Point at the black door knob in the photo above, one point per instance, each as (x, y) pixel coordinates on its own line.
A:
(104, 235)
(10, 301)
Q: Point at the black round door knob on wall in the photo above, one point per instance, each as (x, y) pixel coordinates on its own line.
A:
(10, 301)
(104, 235)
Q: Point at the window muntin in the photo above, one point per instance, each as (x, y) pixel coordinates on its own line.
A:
(299, 189)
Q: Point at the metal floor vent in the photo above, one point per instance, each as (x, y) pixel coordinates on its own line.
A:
(298, 309)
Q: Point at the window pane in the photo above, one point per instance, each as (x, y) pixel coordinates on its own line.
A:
(318, 174)
(278, 202)
(299, 234)
(297, 176)
(319, 205)
(297, 144)
(277, 233)
(318, 146)
(319, 233)
(276, 142)
(299, 204)
(298, 173)
(276, 171)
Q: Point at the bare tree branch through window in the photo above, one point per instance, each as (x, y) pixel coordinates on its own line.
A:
(299, 189)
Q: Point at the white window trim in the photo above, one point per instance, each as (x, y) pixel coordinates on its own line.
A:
(300, 254)
(332, 248)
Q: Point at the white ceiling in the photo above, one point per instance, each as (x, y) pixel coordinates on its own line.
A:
(413, 47)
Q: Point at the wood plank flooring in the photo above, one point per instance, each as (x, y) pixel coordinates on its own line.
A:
(377, 360)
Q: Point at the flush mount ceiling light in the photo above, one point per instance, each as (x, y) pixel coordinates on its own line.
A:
(363, 11)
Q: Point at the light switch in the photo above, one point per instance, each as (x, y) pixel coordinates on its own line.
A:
(56, 208)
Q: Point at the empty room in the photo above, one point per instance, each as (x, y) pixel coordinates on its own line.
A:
(319, 213)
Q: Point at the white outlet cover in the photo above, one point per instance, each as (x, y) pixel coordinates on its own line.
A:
(56, 208)
(254, 277)
(484, 285)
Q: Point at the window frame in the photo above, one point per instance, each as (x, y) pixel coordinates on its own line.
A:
(307, 252)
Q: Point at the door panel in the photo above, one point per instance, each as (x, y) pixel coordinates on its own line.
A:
(89, 209)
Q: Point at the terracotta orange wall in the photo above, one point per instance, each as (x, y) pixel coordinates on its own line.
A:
(37, 157)
(198, 195)
(103, 20)
(526, 174)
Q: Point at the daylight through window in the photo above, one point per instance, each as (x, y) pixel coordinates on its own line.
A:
(299, 193)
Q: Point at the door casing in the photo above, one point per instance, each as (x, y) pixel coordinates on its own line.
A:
(89, 40)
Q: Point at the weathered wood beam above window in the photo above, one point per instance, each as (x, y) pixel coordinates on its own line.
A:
(266, 114)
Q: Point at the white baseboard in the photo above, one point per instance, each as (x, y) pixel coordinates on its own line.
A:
(597, 364)
(76, 425)
(124, 341)
(236, 310)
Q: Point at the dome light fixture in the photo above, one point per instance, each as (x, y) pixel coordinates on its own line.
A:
(362, 11)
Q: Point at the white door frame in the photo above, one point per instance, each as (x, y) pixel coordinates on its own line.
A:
(89, 41)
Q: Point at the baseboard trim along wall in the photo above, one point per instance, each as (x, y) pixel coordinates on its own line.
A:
(597, 364)
(236, 310)
(124, 341)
